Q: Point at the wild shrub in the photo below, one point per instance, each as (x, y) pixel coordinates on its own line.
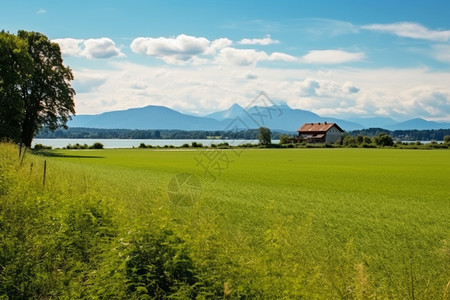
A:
(159, 266)
(97, 146)
(38, 147)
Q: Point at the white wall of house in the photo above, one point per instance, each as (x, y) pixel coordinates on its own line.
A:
(333, 135)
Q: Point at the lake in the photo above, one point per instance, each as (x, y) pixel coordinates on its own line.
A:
(130, 143)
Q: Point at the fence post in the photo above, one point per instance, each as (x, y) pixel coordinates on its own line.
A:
(45, 171)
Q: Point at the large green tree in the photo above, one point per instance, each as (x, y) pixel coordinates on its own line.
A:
(15, 69)
(264, 136)
(42, 94)
(47, 94)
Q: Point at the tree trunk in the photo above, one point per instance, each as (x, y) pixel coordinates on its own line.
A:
(28, 128)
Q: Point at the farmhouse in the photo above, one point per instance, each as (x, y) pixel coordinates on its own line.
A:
(320, 133)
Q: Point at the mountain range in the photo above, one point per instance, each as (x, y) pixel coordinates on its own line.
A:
(280, 117)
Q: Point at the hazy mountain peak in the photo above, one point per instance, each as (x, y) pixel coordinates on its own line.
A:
(280, 117)
(283, 104)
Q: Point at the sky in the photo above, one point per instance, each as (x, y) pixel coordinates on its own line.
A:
(384, 58)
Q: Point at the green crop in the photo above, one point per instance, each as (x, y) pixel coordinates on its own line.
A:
(262, 223)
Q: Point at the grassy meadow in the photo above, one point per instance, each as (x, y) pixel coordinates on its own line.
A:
(268, 223)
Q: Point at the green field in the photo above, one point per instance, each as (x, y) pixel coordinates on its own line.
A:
(268, 223)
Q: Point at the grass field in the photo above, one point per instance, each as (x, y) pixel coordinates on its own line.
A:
(268, 223)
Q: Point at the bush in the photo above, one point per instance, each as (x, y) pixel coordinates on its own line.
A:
(223, 145)
(447, 139)
(38, 147)
(383, 140)
(285, 139)
(97, 146)
(159, 266)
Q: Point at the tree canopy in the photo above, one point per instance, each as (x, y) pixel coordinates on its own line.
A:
(35, 88)
(265, 136)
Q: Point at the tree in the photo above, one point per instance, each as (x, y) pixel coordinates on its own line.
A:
(383, 140)
(447, 139)
(47, 95)
(285, 139)
(349, 141)
(15, 68)
(264, 136)
(38, 91)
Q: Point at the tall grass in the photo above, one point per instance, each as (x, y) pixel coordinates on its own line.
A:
(289, 223)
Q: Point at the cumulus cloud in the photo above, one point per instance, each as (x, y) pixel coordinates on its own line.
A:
(100, 48)
(398, 93)
(427, 101)
(264, 41)
(411, 30)
(220, 44)
(91, 48)
(308, 87)
(69, 46)
(331, 57)
(350, 88)
(183, 46)
(325, 88)
(180, 49)
(249, 57)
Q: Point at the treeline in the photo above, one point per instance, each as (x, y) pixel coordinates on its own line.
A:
(405, 135)
(94, 133)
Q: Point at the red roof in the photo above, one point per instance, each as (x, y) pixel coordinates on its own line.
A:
(317, 127)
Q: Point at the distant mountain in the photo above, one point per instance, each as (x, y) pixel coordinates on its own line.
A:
(281, 117)
(418, 124)
(374, 122)
(234, 111)
(149, 117)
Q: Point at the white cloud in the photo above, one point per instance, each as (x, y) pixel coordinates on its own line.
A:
(398, 93)
(311, 87)
(91, 48)
(100, 48)
(264, 41)
(41, 11)
(308, 87)
(185, 49)
(249, 57)
(220, 44)
(411, 30)
(181, 49)
(331, 57)
(349, 87)
(69, 47)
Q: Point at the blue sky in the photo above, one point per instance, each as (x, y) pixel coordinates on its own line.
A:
(336, 58)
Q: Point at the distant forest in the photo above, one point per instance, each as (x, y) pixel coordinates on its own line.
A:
(94, 133)
(251, 134)
(405, 135)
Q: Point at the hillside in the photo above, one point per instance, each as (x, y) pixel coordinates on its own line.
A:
(281, 117)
